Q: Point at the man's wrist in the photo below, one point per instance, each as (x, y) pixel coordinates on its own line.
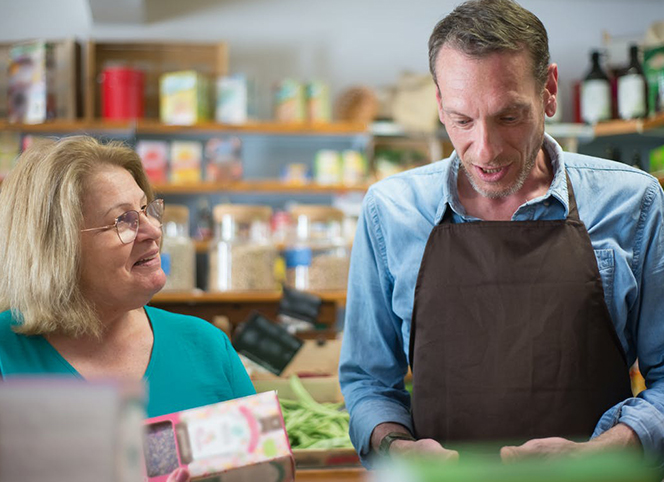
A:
(387, 441)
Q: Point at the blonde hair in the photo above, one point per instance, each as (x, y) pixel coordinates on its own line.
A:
(40, 241)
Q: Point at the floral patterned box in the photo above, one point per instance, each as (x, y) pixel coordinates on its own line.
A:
(241, 440)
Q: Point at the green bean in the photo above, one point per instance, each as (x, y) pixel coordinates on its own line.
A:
(314, 425)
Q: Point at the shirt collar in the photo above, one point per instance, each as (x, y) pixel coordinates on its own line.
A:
(557, 191)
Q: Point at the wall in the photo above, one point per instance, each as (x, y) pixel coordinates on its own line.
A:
(344, 42)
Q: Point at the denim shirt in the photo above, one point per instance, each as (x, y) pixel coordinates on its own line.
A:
(623, 211)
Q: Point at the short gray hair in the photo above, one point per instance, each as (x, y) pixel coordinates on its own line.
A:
(481, 27)
(41, 217)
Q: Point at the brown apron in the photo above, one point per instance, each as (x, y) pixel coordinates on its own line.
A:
(511, 338)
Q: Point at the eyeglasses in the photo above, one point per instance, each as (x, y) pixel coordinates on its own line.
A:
(127, 223)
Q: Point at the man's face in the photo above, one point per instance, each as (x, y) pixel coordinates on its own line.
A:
(493, 111)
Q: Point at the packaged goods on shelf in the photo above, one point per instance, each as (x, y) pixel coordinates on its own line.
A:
(122, 93)
(186, 159)
(31, 82)
(10, 148)
(242, 256)
(178, 253)
(235, 99)
(223, 159)
(317, 255)
(154, 156)
(289, 101)
(328, 167)
(318, 102)
(295, 173)
(354, 168)
(243, 439)
(183, 98)
(653, 66)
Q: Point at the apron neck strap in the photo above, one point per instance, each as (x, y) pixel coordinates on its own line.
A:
(573, 210)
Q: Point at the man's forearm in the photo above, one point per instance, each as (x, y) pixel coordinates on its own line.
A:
(620, 436)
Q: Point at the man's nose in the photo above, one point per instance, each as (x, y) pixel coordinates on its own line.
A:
(487, 143)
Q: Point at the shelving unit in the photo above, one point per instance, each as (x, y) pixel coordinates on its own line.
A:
(235, 307)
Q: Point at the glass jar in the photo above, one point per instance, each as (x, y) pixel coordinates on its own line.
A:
(178, 253)
(317, 255)
(242, 255)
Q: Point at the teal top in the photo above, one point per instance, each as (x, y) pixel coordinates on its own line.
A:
(192, 362)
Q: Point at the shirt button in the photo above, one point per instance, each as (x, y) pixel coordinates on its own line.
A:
(547, 203)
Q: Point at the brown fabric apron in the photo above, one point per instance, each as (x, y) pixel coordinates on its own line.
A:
(511, 338)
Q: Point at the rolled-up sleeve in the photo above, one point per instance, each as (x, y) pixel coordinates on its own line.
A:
(373, 363)
(645, 413)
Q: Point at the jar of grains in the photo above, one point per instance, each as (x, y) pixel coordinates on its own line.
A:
(317, 255)
(178, 253)
(242, 255)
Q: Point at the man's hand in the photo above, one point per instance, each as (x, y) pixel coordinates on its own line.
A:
(425, 446)
(179, 475)
(619, 437)
(540, 448)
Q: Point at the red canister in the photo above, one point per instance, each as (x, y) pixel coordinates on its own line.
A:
(122, 93)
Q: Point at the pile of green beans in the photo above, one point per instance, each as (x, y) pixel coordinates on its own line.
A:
(313, 425)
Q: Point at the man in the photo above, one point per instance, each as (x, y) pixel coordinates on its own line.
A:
(519, 282)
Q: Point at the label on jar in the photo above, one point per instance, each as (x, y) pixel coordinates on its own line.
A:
(595, 101)
(631, 96)
(166, 263)
(300, 256)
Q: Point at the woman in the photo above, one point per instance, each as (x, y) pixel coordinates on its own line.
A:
(79, 247)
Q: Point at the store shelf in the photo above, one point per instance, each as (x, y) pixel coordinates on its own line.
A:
(153, 127)
(270, 186)
(636, 126)
(266, 127)
(238, 297)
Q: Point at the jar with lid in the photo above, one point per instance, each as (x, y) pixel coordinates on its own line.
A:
(178, 253)
(317, 255)
(242, 256)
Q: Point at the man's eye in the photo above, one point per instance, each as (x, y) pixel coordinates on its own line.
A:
(509, 119)
(462, 122)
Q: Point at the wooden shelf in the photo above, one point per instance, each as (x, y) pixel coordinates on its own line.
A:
(153, 127)
(636, 126)
(238, 297)
(255, 186)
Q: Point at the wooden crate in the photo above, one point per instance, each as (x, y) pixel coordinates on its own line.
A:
(67, 84)
(154, 59)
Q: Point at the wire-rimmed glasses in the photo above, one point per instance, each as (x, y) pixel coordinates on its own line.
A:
(128, 223)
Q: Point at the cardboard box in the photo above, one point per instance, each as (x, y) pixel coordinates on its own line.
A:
(243, 439)
(184, 98)
(186, 159)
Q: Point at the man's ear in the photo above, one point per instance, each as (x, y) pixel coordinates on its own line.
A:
(551, 91)
(439, 103)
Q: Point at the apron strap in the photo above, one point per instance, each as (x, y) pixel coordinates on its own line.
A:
(573, 210)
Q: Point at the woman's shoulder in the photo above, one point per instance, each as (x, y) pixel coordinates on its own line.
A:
(183, 326)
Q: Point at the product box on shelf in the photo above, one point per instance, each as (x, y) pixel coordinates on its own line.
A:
(186, 159)
(223, 159)
(241, 439)
(318, 102)
(289, 101)
(235, 99)
(10, 148)
(183, 98)
(154, 156)
(31, 82)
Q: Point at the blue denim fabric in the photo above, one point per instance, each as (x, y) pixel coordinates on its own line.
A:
(623, 210)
